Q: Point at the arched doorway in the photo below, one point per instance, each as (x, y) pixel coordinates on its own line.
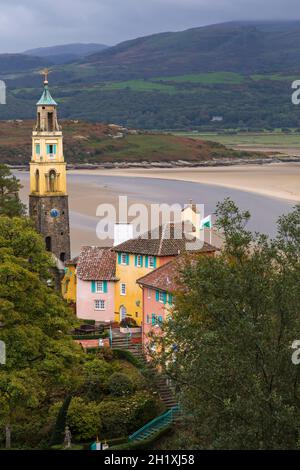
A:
(63, 257)
(52, 181)
(123, 312)
(48, 242)
(37, 181)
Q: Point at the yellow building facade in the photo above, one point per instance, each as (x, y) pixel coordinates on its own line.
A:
(48, 199)
(128, 293)
(69, 282)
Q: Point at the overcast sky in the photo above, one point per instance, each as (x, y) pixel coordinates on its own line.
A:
(34, 23)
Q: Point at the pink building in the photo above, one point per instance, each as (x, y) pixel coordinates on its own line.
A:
(96, 277)
(158, 287)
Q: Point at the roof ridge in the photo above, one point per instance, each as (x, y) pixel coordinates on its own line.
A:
(158, 269)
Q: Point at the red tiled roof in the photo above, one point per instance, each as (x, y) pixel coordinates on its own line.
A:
(166, 240)
(96, 264)
(72, 261)
(163, 278)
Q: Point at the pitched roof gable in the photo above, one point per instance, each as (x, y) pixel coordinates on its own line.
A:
(166, 240)
(96, 264)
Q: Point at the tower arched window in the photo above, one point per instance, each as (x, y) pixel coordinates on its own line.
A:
(52, 181)
(37, 181)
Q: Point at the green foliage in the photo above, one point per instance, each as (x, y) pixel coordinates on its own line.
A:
(120, 384)
(233, 328)
(96, 377)
(43, 362)
(84, 419)
(122, 416)
(59, 429)
(10, 203)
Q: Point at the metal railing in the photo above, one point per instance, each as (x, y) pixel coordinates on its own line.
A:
(157, 423)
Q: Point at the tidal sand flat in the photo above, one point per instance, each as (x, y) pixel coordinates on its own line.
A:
(88, 189)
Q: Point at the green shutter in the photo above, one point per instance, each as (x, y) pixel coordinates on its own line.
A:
(135, 260)
(54, 149)
(160, 319)
(119, 258)
(127, 259)
(170, 299)
(48, 148)
(157, 296)
(38, 149)
(105, 287)
(154, 262)
(142, 261)
(165, 297)
(146, 261)
(93, 286)
(153, 319)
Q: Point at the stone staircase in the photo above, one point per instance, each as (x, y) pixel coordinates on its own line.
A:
(165, 391)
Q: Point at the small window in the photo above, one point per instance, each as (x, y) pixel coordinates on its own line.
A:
(148, 319)
(161, 297)
(139, 261)
(151, 262)
(123, 258)
(100, 304)
(123, 289)
(51, 149)
(99, 287)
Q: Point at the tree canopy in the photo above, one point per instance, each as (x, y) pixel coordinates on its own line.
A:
(228, 346)
(10, 203)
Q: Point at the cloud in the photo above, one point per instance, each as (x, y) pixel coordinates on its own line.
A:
(39, 23)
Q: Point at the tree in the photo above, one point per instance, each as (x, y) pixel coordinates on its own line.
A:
(228, 347)
(10, 203)
(43, 362)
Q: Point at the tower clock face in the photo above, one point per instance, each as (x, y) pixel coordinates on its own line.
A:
(54, 213)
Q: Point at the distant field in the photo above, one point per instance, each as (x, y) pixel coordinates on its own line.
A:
(275, 141)
(209, 78)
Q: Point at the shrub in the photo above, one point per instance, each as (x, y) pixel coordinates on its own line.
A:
(120, 384)
(128, 322)
(84, 419)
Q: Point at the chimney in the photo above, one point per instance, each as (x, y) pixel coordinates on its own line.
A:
(122, 233)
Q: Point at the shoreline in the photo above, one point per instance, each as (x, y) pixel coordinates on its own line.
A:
(277, 180)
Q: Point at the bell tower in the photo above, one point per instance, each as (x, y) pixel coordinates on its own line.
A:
(48, 199)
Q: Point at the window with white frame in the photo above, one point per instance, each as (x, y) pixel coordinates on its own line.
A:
(123, 288)
(100, 304)
(161, 297)
(123, 258)
(151, 262)
(139, 260)
(99, 287)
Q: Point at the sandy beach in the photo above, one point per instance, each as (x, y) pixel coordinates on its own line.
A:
(267, 191)
(280, 180)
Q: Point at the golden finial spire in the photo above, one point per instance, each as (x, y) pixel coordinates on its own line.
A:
(45, 72)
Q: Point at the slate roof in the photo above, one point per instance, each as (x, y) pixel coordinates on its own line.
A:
(46, 98)
(163, 241)
(163, 278)
(96, 264)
